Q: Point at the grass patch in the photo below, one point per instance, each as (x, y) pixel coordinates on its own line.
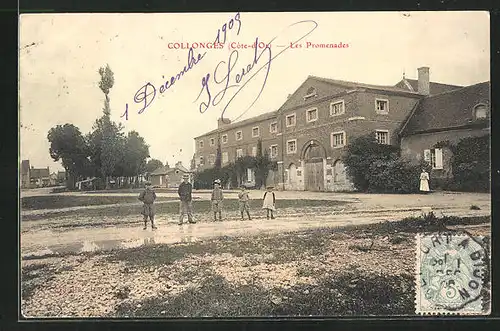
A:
(417, 224)
(33, 277)
(230, 206)
(37, 276)
(343, 294)
(284, 247)
(65, 201)
(281, 247)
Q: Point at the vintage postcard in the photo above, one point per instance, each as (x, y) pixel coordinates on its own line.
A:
(245, 164)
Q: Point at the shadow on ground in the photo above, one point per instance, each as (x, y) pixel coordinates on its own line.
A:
(342, 294)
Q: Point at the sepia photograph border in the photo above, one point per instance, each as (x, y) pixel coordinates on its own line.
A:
(12, 311)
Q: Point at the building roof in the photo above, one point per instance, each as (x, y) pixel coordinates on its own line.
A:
(447, 110)
(167, 170)
(180, 167)
(39, 173)
(227, 127)
(435, 88)
(357, 85)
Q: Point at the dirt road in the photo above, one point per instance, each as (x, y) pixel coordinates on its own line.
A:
(361, 209)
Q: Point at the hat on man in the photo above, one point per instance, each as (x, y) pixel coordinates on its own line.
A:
(217, 181)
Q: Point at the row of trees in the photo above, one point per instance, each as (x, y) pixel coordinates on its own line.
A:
(106, 152)
(233, 174)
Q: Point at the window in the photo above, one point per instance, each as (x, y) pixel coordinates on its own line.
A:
(255, 132)
(382, 136)
(212, 141)
(290, 120)
(201, 143)
(337, 108)
(274, 151)
(434, 157)
(273, 127)
(224, 139)
(338, 139)
(202, 161)
(254, 151)
(239, 153)
(299, 173)
(480, 112)
(211, 159)
(291, 146)
(312, 115)
(382, 106)
(239, 135)
(225, 157)
(250, 175)
(311, 92)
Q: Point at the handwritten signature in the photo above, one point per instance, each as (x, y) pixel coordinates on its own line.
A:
(147, 93)
(209, 80)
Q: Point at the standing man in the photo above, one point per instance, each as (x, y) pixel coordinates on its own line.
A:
(186, 205)
(148, 197)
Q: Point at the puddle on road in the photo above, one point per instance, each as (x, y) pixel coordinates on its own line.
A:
(146, 238)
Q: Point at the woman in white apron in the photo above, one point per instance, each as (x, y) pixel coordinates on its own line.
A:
(424, 181)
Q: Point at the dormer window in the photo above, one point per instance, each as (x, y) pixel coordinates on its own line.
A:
(480, 112)
(311, 92)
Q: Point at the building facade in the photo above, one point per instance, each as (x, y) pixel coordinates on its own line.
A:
(168, 177)
(307, 135)
(444, 119)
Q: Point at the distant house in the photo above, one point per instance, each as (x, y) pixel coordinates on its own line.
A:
(169, 177)
(25, 174)
(446, 117)
(39, 177)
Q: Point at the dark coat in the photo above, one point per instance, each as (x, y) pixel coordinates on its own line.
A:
(184, 191)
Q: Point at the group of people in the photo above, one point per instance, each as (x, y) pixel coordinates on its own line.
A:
(148, 197)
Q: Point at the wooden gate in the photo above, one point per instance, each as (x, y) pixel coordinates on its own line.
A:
(314, 176)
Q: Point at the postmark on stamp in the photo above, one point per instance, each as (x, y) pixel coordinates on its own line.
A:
(451, 272)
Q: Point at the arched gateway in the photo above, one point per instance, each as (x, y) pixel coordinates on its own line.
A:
(314, 156)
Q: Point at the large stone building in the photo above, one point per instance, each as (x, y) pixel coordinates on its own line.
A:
(308, 133)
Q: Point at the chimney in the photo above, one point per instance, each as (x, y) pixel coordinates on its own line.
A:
(222, 122)
(423, 81)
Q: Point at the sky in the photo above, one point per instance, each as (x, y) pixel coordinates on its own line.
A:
(60, 55)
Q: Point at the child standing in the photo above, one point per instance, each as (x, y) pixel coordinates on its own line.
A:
(217, 198)
(269, 202)
(243, 200)
(148, 197)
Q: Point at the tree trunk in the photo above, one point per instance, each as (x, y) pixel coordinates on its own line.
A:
(70, 181)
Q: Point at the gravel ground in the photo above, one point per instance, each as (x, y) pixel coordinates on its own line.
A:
(365, 270)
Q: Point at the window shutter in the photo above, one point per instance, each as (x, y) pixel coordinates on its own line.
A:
(427, 155)
(439, 158)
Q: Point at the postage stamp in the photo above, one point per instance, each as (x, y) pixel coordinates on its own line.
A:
(451, 274)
